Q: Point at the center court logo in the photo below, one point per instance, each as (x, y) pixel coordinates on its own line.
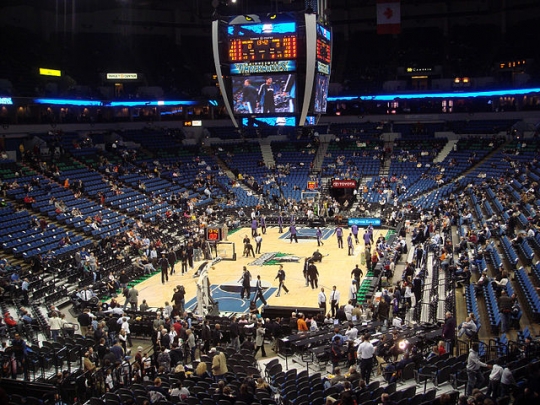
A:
(274, 258)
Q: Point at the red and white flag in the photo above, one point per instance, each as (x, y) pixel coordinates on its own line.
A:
(388, 17)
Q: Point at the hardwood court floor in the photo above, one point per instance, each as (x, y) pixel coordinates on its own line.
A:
(335, 269)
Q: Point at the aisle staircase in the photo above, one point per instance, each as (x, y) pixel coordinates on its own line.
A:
(445, 151)
(319, 156)
(267, 153)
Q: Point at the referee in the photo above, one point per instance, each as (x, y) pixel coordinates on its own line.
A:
(365, 355)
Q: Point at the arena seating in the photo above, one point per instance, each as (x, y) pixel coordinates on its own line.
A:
(492, 307)
(509, 250)
(528, 289)
(171, 170)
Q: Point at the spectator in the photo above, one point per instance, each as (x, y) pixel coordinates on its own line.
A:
(156, 392)
(449, 332)
(9, 321)
(244, 395)
(468, 328)
(19, 354)
(475, 376)
(219, 365)
(259, 339)
(505, 308)
(178, 391)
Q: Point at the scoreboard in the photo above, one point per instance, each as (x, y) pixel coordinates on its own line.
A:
(323, 52)
(324, 44)
(262, 48)
(268, 41)
(322, 77)
(273, 69)
(216, 233)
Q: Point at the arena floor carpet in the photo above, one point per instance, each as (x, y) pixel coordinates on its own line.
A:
(228, 297)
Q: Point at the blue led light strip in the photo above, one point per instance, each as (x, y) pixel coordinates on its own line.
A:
(412, 96)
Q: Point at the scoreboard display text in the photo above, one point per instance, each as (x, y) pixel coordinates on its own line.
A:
(323, 52)
(262, 49)
(324, 49)
(257, 42)
(214, 234)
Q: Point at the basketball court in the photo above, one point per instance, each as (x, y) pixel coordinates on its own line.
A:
(309, 234)
(224, 276)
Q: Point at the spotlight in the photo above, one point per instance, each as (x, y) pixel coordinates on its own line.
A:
(403, 344)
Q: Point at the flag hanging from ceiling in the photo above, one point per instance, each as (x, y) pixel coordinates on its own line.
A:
(388, 17)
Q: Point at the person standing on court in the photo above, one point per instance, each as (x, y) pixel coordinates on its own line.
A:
(367, 256)
(305, 270)
(248, 249)
(164, 265)
(334, 301)
(357, 274)
(350, 244)
(354, 230)
(179, 298)
(313, 275)
(365, 355)
(254, 226)
(246, 284)
(339, 233)
(353, 292)
(262, 224)
(280, 222)
(133, 298)
(281, 277)
(171, 256)
(259, 294)
(184, 260)
(292, 230)
(258, 243)
(321, 300)
(319, 236)
(368, 238)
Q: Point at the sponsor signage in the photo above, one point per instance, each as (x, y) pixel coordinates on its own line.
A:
(364, 221)
(6, 101)
(122, 76)
(194, 123)
(50, 72)
(343, 183)
(249, 68)
(323, 68)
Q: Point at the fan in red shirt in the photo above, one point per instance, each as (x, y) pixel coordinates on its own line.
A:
(8, 319)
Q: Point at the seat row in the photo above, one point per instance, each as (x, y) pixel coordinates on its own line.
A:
(509, 250)
(529, 290)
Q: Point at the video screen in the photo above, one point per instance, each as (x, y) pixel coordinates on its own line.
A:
(321, 93)
(261, 29)
(263, 122)
(324, 50)
(268, 94)
(310, 120)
